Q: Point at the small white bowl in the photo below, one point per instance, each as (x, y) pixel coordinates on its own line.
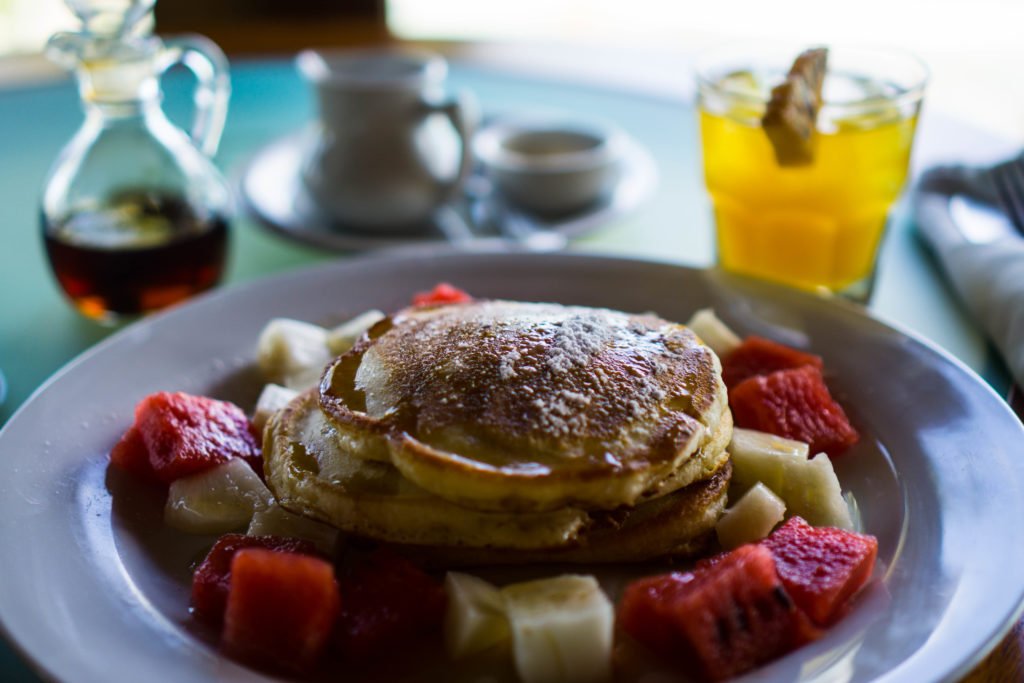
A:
(551, 167)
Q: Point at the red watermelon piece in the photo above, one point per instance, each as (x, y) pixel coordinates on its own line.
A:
(443, 293)
(183, 434)
(821, 567)
(281, 608)
(647, 613)
(387, 603)
(131, 455)
(212, 577)
(760, 356)
(720, 621)
(795, 404)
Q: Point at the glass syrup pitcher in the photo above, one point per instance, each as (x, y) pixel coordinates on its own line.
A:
(134, 212)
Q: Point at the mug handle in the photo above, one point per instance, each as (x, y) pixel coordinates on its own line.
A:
(202, 57)
(462, 112)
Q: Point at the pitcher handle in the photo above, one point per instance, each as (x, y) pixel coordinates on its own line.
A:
(202, 57)
(462, 112)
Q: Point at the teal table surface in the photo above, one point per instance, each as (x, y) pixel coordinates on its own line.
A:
(39, 332)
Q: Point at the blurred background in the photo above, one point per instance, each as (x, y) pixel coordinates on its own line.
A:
(972, 46)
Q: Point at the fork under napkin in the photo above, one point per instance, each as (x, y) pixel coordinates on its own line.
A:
(958, 214)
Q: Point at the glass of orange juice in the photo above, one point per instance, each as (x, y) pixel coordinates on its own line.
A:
(816, 224)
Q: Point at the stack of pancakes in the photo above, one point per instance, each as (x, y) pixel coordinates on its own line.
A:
(498, 431)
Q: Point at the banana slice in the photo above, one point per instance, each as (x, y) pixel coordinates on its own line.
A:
(476, 618)
(856, 521)
(344, 336)
(809, 487)
(813, 492)
(272, 399)
(761, 457)
(219, 500)
(561, 629)
(274, 520)
(713, 332)
(752, 517)
(292, 352)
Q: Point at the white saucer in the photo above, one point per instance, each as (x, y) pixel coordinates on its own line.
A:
(272, 191)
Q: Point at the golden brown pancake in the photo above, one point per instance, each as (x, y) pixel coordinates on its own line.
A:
(507, 406)
(310, 474)
(680, 524)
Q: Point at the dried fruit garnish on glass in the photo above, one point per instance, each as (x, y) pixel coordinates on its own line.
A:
(790, 116)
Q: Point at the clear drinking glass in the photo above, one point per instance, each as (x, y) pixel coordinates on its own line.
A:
(817, 225)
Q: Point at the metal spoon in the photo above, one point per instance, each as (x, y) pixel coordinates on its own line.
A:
(490, 212)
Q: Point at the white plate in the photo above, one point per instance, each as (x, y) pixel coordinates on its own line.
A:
(92, 588)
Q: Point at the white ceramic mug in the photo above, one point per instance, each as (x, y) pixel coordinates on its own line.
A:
(390, 147)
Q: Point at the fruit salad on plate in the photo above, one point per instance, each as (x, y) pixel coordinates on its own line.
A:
(287, 594)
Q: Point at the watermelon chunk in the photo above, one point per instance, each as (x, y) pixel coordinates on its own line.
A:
(387, 603)
(821, 567)
(281, 608)
(795, 404)
(647, 609)
(443, 293)
(131, 455)
(184, 434)
(717, 622)
(760, 356)
(212, 577)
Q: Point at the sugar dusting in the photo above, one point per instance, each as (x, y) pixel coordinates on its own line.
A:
(576, 377)
(576, 340)
(507, 365)
(562, 375)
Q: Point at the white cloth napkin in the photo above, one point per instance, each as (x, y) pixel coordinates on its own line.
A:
(957, 213)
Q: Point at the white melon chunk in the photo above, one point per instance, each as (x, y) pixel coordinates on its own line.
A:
(341, 338)
(292, 353)
(809, 487)
(812, 491)
(218, 500)
(854, 508)
(713, 332)
(752, 517)
(274, 520)
(476, 618)
(761, 457)
(273, 398)
(561, 629)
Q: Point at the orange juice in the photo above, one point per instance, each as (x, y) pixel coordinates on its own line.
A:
(816, 226)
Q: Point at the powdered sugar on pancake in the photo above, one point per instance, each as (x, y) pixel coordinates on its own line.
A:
(560, 381)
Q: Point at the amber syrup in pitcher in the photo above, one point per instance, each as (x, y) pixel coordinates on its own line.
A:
(134, 211)
(144, 253)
